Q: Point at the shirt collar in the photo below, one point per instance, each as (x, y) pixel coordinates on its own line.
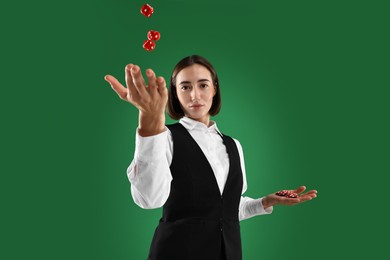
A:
(191, 124)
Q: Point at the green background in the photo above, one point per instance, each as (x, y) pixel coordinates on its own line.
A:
(304, 87)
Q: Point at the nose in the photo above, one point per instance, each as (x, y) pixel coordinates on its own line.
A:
(195, 94)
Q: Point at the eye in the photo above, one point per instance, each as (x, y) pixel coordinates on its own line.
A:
(184, 87)
(203, 85)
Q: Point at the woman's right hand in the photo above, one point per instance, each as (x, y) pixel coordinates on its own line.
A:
(149, 99)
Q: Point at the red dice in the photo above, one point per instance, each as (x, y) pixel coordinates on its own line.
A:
(147, 10)
(149, 45)
(153, 35)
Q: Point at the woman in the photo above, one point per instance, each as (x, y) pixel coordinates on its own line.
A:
(190, 168)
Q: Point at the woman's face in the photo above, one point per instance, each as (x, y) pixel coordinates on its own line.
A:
(195, 91)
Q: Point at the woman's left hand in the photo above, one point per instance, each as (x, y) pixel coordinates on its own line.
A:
(273, 199)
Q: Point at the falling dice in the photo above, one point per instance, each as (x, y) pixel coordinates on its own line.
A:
(153, 35)
(282, 193)
(147, 10)
(149, 45)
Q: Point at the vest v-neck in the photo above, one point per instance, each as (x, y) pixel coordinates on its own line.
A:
(209, 165)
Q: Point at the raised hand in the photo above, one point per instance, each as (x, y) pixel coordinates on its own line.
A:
(150, 99)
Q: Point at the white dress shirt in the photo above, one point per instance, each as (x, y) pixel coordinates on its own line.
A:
(150, 175)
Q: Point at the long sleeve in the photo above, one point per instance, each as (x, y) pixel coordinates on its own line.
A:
(150, 176)
(252, 207)
(149, 172)
(249, 207)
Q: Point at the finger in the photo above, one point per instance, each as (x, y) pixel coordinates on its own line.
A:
(307, 197)
(131, 89)
(152, 85)
(300, 189)
(312, 193)
(162, 89)
(139, 81)
(116, 86)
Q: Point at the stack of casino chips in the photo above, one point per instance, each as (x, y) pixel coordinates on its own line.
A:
(286, 193)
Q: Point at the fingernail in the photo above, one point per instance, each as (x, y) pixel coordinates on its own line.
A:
(134, 68)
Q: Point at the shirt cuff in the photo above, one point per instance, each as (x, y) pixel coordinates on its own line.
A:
(150, 147)
(265, 210)
(256, 208)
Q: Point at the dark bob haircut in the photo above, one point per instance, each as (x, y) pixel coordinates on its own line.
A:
(174, 109)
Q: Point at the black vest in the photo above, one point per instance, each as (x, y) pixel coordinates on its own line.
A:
(196, 218)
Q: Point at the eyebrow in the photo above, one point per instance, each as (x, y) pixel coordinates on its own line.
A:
(186, 82)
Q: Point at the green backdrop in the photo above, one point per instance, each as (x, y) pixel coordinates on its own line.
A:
(304, 87)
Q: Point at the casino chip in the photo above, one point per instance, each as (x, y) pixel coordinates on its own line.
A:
(282, 193)
(292, 195)
(286, 193)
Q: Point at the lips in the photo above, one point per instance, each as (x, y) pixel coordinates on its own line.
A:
(196, 106)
